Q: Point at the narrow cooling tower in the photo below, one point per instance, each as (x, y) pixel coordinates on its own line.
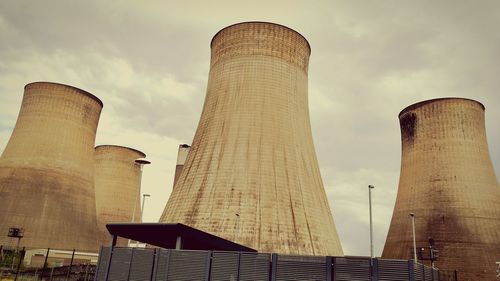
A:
(117, 188)
(47, 169)
(447, 180)
(252, 175)
(181, 160)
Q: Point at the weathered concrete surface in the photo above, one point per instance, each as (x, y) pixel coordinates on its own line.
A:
(181, 160)
(46, 170)
(447, 180)
(252, 175)
(117, 188)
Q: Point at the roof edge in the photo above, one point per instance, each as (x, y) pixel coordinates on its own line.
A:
(120, 146)
(69, 86)
(266, 22)
(424, 102)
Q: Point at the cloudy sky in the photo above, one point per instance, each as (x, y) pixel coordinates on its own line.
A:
(148, 62)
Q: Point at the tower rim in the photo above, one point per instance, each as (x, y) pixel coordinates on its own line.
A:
(69, 86)
(265, 22)
(121, 146)
(424, 102)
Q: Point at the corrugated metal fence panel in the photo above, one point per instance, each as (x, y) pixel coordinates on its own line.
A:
(419, 272)
(428, 273)
(254, 267)
(348, 269)
(224, 266)
(295, 268)
(162, 258)
(188, 265)
(120, 264)
(393, 270)
(102, 264)
(435, 275)
(142, 264)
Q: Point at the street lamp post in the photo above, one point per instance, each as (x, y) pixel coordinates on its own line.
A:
(370, 187)
(412, 215)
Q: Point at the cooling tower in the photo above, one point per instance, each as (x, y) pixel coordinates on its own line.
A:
(447, 180)
(252, 175)
(181, 160)
(46, 169)
(117, 188)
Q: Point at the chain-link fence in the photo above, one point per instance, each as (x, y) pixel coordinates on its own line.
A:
(46, 264)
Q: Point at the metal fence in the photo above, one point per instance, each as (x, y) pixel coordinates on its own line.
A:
(46, 264)
(448, 275)
(134, 264)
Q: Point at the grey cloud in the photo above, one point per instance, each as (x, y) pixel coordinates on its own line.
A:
(149, 63)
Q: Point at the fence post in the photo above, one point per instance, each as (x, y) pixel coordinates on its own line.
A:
(274, 266)
(239, 264)
(155, 264)
(111, 249)
(70, 265)
(21, 257)
(130, 263)
(45, 263)
(329, 268)
(209, 265)
(411, 272)
(374, 270)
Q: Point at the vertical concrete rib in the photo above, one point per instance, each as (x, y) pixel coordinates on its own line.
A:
(447, 179)
(117, 188)
(252, 175)
(46, 169)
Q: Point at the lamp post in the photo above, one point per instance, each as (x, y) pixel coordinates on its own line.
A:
(370, 187)
(143, 203)
(412, 215)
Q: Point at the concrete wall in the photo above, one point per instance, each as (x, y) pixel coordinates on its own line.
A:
(46, 170)
(447, 180)
(117, 188)
(252, 175)
(181, 160)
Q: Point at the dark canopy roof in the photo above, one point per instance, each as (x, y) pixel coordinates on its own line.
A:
(165, 235)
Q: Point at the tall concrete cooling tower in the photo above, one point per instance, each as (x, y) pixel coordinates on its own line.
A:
(252, 175)
(117, 188)
(46, 170)
(447, 180)
(181, 160)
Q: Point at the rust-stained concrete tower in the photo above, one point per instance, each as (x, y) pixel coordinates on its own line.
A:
(117, 187)
(46, 170)
(181, 160)
(447, 180)
(252, 175)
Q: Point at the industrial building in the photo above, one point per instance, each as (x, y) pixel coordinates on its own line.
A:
(47, 169)
(447, 180)
(251, 175)
(182, 154)
(117, 188)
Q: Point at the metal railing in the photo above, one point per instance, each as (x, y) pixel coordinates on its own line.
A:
(18, 264)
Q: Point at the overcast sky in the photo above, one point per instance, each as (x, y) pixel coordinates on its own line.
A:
(148, 62)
